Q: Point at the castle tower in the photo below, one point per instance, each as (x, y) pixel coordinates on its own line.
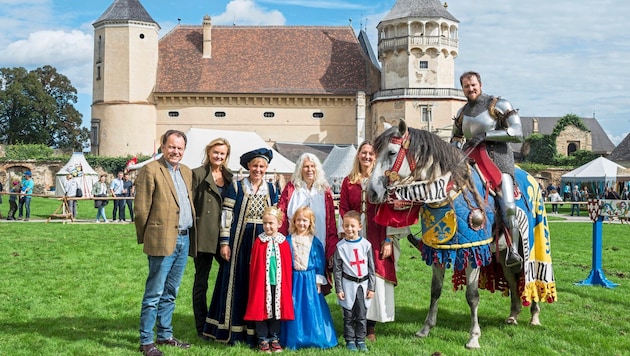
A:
(125, 71)
(417, 46)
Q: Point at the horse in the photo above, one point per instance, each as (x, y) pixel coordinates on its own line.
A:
(418, 174)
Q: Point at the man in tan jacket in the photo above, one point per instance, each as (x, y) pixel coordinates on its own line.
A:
(164, 218)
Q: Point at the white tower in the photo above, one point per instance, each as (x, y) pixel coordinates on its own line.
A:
(125, 71)
(417, 46)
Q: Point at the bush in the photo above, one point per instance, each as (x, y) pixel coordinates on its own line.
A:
(30, 151)
(112, 164)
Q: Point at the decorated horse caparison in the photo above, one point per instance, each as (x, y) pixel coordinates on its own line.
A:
(419, 175)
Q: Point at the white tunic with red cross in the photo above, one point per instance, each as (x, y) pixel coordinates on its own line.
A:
(353, 261)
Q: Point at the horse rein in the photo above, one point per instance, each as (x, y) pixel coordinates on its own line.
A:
(394, 177)
(392, 174)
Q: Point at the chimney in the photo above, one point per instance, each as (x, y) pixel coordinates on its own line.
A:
(535, 124)
(207, 37)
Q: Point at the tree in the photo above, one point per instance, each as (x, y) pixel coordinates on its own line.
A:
(37, 107)
(542, 148)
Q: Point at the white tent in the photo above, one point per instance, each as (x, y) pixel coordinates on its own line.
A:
(339, 162)
(240, 141)
(598, 174)
(81, 170)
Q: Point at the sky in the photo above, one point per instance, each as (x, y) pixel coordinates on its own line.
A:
(549, 58)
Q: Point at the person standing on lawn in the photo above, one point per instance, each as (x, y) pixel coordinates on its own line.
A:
(128, 191)
(26, 196)
(164, 217)
(116, 188)
(210, 184)
(13, 197)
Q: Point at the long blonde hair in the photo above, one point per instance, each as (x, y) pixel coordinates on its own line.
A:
(220, 141)
(355, 174)
(307, 213)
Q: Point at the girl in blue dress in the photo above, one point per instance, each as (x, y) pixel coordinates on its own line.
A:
(313, 325)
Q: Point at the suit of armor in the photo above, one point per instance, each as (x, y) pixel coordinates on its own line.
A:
(494, 121)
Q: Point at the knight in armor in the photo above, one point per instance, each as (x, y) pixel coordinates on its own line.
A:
(493, 121)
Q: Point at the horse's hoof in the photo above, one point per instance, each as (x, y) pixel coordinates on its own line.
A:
(511, 321)
(535, 321)
(422, 333)
(473, 345)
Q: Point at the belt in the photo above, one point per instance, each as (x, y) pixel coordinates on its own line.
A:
(354, 279)
(183, 232)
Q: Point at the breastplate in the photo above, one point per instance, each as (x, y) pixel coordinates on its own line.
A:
(477, 125)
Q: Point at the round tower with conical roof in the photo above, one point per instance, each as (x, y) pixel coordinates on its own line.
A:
(125, 72)
(417, 46)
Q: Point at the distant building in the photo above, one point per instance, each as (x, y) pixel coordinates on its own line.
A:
(571, 139)
(621, 153)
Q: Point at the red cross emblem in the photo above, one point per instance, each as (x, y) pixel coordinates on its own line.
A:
(357, 262)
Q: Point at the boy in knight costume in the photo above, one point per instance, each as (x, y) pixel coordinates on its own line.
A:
(353, 270)
(488, 124)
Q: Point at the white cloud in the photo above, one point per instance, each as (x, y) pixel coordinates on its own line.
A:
(69, 52)
(616, 139)
(57, 48)
(551, 59)
(247, 12)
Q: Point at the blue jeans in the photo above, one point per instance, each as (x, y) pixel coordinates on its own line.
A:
(27, 204)
(575, 208)
(100, 213)
(158, 302)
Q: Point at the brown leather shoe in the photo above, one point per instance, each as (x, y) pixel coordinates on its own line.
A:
(174, 342)
(371, 334)
(150, 350)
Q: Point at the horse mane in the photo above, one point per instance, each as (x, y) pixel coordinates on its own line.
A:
(434, 157)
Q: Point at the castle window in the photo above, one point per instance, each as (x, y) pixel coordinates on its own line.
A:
(142, 36)
(94, 134)
(269, 115)
(219, 114)
(173, 114)
(98, 72)
(318, 115)
(99, 56)
(426, 113)
(423, 64)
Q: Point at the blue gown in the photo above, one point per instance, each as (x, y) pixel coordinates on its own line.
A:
(313, 325)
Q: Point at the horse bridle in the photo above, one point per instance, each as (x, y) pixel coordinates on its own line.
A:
(392, 174)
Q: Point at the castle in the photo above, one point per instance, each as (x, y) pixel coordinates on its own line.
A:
(302, 84)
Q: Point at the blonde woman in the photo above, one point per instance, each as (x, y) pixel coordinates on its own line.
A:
(210, 183)
(386, 249)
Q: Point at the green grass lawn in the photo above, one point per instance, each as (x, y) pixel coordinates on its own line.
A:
(75, 289)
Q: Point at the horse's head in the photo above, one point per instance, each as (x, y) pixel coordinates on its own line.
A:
(392, 162)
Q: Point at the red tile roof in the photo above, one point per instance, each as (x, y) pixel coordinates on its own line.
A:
(264, 60)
